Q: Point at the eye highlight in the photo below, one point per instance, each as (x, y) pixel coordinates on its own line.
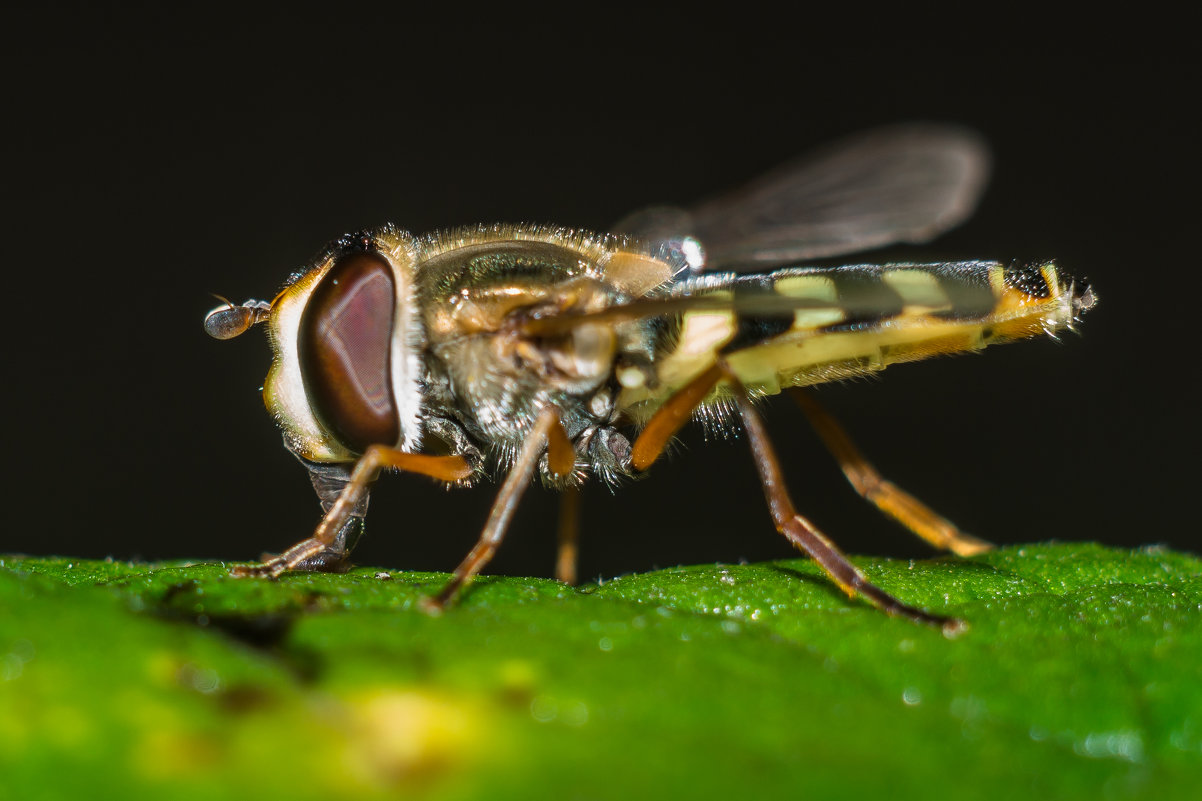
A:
(344, 348)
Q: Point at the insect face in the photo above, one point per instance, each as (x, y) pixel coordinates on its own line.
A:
(347, 340)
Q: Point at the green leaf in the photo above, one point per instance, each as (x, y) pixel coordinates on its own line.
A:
(1080, 677)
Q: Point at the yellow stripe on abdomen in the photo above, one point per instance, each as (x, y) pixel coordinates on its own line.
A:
(932, 310)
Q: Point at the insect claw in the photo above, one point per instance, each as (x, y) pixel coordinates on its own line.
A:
(431, 605)
(953, 627)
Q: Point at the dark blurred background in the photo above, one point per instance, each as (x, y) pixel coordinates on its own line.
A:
(156, 161)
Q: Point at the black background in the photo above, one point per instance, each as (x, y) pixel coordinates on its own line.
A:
(159, 160)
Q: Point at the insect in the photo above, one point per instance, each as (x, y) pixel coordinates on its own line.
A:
(567, 355)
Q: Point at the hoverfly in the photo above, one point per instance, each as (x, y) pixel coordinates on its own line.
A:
(567, 354)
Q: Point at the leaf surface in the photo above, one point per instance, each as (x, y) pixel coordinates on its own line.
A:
(1080, 677)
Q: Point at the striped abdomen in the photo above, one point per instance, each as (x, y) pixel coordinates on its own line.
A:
(852, 320)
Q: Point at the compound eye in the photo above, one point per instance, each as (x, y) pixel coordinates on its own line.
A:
(344, 343)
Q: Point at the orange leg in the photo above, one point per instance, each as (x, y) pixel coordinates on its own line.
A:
(889, 498)
(569, 534)
(374, 459)
(543, 436)
(561, 456)
(671, 417)
(800, 531)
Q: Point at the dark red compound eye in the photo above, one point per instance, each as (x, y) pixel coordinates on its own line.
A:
(344, 343)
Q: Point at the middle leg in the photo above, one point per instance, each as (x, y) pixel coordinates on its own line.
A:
(568, 535)
(547, 434)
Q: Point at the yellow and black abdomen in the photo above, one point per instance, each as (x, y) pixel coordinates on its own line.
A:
(800, 326)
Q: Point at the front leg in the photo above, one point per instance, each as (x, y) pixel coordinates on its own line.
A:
(329, 480)
(331, 534)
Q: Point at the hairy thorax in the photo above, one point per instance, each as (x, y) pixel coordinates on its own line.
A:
(490, 375)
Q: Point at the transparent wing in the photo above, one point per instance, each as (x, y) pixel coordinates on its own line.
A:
(905, 183)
